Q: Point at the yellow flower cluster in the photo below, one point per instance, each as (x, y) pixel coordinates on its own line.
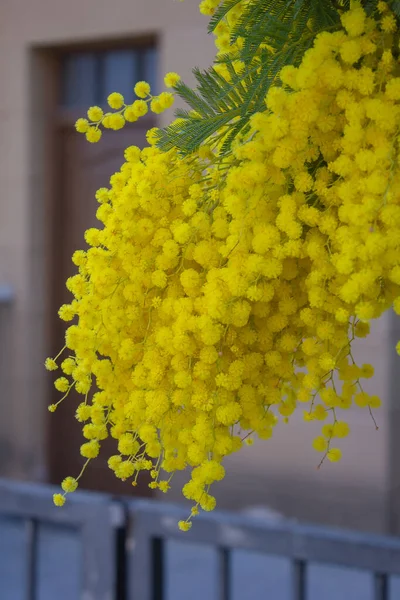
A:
(126, 113)
(215, 301)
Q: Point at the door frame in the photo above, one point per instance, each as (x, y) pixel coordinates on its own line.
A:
(47, 120)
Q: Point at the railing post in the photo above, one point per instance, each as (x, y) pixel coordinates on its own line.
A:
(300, 591)
(393, 408)
(139, 548)
(381, 587)
(88, 519)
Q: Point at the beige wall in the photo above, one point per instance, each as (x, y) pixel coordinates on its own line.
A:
(280, 472)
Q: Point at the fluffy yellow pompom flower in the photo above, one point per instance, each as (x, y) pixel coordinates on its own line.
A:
(69, 484)
(142, 89)
(171, 79)
(95, 113)
(61, 384)
(90, 449)
(93, 135)
(320, 444)
(50, 364)
(130, 114)
(334, 454)
(389, 24)
(58, 499)
(156, 106)
(82, 125)
(115, 100)
(140, 108)
(354, 20)
(83, 412)
(164, 486)
(115, 122)
(341, 429)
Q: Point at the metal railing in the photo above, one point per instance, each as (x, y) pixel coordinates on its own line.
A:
(66, 554)
(96, 548)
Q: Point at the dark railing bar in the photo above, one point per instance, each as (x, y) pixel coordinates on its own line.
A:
(31, 534)
(381, 587)
(157, 574)
(225, 574)
(300, 580)
(121, 567)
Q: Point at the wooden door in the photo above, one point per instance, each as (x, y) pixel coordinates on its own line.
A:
(82, 168)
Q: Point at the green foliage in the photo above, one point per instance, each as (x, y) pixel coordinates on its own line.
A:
(395, 7)
(275, 33)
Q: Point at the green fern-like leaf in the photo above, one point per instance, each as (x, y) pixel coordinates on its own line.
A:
(395, 6)
(273, 33)
(221, 13)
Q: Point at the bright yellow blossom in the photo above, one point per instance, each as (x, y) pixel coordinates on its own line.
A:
(208, 306)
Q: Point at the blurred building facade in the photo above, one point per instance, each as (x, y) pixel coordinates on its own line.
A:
(56, 59)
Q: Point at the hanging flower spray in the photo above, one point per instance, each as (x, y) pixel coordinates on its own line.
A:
(223, 290)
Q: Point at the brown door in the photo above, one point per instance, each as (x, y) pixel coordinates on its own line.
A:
(82, 168)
